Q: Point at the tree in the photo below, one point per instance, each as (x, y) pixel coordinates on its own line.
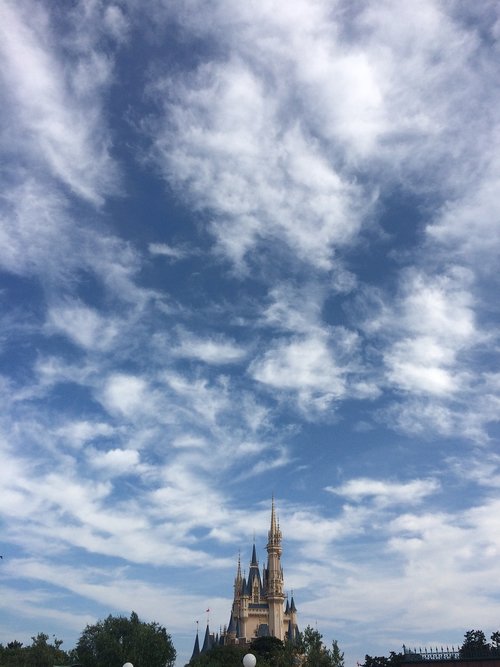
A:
(117, 640)
(315, 652)
(39, 654)
(268, 649)
(394, 660)
(337, 656)
(474, 645)
(12, 654)
(220, 656)
(43, 654)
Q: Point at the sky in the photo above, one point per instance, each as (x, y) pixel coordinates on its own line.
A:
(250, 249)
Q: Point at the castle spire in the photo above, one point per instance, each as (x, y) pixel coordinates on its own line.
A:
(238, 579)
(196, 649)
(274, 534)
(274, 577)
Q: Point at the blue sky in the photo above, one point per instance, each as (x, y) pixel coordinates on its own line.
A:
(250, 249)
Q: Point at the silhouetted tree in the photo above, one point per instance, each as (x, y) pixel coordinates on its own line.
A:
(394, 660)
(315, 652)
(117, 640)
(220, 656)
(474, 645)
(40, 653)
(267, 648)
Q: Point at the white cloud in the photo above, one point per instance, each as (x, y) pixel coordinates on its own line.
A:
(80, 432)
(84, 326)
(109, 589)
(62, 130)
(213, 350)
(232, 156)
(116, 461)
(171, 252)
(257, 136)
(125, 394)
(311, 367)
(116, 22)
(33, 232)
(384, 492)
(295, 309)
(206, 401)
(468, 225)
(40, 238)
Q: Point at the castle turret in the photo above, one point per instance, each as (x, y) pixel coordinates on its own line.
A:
(196, 649)
(208, 642)
(274, 578)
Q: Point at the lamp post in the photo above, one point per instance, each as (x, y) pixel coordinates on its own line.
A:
(249, 660)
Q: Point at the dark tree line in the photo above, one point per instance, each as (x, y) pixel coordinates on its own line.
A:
(307, 651)
(107, 643)
(474, 645)
(40, 653)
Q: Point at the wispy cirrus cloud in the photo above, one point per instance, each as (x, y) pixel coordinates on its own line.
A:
(157, 389)
(385, 493)
(55, 111)
(84, 326)
(437, 322)
(262, 179)
(216, 349)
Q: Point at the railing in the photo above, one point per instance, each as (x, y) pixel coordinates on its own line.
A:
(433, 653)
(459, 653)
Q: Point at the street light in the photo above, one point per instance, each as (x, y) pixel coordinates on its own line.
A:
(128, 664)
(249, 660)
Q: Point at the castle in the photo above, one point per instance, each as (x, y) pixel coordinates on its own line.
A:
(258, 608)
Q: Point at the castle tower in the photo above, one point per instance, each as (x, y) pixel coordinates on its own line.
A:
(258, 608)
(274, 578)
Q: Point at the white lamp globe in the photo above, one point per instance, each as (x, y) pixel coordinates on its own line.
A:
(249, 660)
(128, 664)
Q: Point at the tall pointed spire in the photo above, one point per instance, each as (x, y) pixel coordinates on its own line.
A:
(274, 534)
(274, 578)
(196, 649)
(208, 641)
(238, 579)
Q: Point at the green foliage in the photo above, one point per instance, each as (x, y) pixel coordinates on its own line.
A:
(474, 645)
(221, 656)
(117, 640)
(39, 654)
(315, 653)
(309, 651)
(267, 649)
(394, 660)
(337, 656)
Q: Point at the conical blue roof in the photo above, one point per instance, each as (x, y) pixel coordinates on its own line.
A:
(254, 557)
(254, 575)
(196, 649)
(231, 627)
(207, 642)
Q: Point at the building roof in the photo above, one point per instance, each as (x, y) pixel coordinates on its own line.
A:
(196, 649)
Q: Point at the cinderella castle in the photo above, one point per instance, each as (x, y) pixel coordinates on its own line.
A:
(258, 608)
